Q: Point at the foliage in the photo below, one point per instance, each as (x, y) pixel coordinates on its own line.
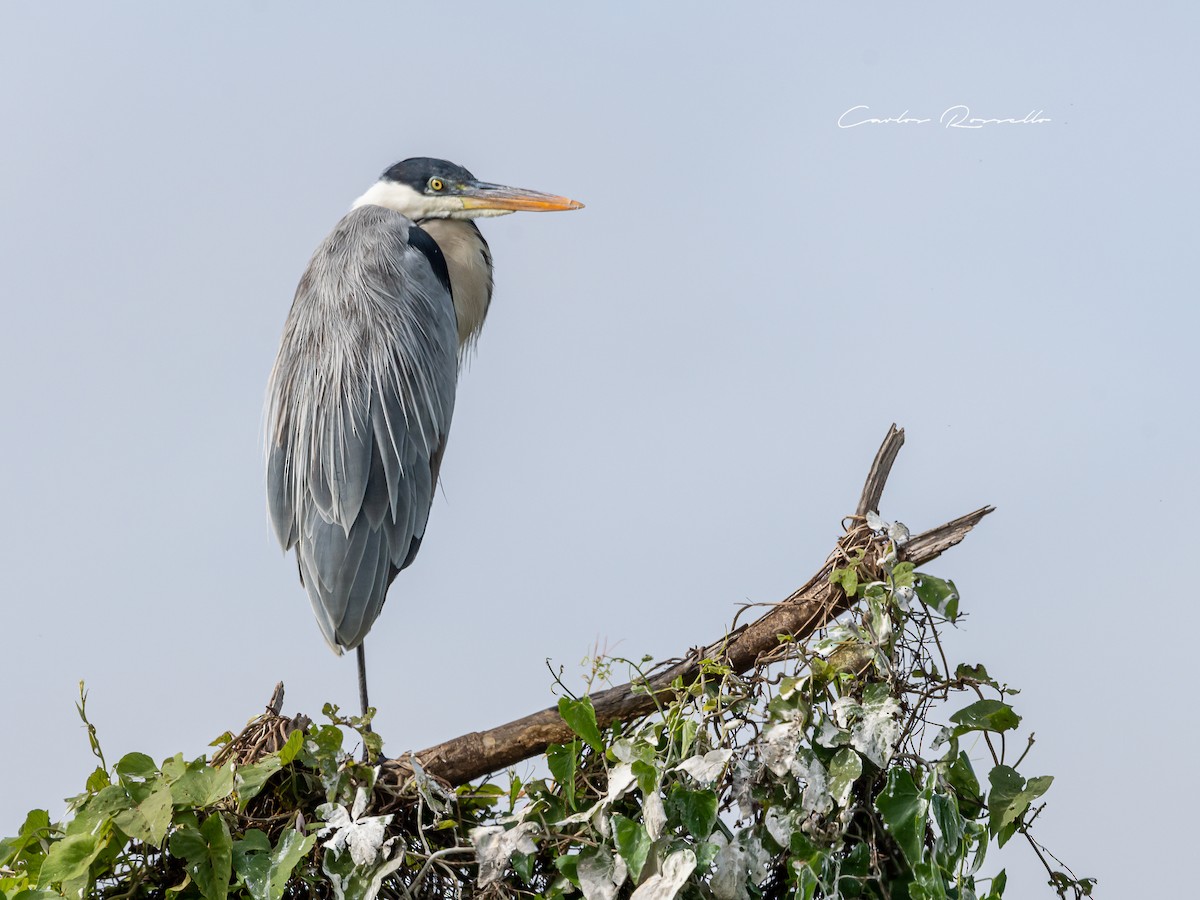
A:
(818, 774)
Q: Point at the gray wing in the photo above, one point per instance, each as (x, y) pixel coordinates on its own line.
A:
(359, 408)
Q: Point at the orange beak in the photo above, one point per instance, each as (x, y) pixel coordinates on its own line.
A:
(480, 195)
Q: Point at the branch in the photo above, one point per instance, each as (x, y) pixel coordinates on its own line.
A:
(809, 608)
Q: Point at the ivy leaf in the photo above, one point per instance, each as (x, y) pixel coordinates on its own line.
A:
(568, 866)
(600, 875)
(291, 747)
(1010, 798)
(695, 810)
(666, 883)
(293, 847)
(149, 820)
(950, 824)
(561, 760)
(35, 829)
(939, 595)
(903, 575)
(646, 775)
(580, 717)
(135, 765)
(252, 863)
(72, 857)
(961, 776)
(929, 882)
(250, 779)
(806, 881)
(844, 770)
(97, 781)
(902, 805)
(847, 578)
(998, 884)
(201, 785)
(986, 715)
(207, 853)
(977, 673)
(707, 768)
(633, 843)
(522, 864)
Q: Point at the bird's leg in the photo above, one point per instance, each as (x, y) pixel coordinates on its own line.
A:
(362, 690)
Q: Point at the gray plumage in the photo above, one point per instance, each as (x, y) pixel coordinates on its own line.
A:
(362, 392)
(356, 441)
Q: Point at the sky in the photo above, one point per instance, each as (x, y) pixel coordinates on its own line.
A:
(679, 388)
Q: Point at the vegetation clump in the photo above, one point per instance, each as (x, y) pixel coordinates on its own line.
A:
(822, 772)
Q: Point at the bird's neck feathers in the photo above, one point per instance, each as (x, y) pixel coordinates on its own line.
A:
(467, 256)
(469, 262)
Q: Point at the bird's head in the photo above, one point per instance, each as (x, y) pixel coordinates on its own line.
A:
(424, 188)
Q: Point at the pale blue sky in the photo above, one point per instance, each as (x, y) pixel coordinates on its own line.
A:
(679, 388)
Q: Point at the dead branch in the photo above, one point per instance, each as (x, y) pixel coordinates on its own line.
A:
(812, 606)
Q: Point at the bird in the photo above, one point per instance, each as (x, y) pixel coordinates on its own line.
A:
(361, 394)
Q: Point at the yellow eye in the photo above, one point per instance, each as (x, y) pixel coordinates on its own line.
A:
(435, 184)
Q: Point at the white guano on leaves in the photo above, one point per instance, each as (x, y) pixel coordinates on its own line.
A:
(707, 768)
(778, 746)
(601, 875)
(362, 835)
(495, 845)
(873, 727)
(738, 863)
(665, 884)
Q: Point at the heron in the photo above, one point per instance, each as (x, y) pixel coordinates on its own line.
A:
(362, 391)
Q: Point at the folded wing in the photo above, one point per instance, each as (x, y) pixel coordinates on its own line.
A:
(360, 403)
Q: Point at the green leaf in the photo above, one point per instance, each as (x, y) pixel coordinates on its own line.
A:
(938, 594)
(514, 790)
(71, 857)
(802, 849)
(706, 854)
(136, 765)
(695, 810)
(580, 717)
(902, 805)
(97, 781)
(174, 767)
(201, 785)
(522, 864)
(568, 866)
(252, 863)
(976, 673)
(207, 853)
(293, 847)
(806, 881)
(646, 775)
(149, 820)
(1010, 797)
(844, 769)
(561, 760)
(847, 578)
(36, 828)
(961, 776)
(250, 779)
(633, 843)
(903, 575)
(999, 882)
(986, 715)
(928, 882)
(291, 747)
(950, 824)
